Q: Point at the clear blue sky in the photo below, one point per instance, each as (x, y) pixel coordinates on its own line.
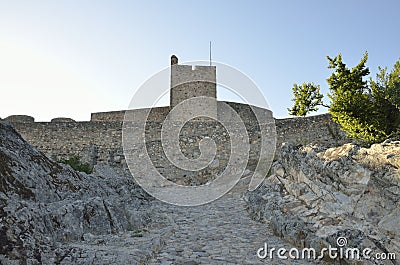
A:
(71, 58)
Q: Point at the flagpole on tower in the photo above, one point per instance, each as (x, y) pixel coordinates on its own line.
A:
(210, 53)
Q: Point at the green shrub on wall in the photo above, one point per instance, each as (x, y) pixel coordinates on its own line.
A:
(75, 163)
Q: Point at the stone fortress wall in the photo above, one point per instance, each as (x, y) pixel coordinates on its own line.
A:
(100, 139)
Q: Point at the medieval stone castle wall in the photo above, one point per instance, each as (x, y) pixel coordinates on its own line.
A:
(100, 140)
(102, 136)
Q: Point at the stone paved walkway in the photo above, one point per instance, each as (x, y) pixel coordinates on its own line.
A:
(220, 232)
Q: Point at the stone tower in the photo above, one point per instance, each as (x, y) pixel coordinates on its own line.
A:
(189, 81)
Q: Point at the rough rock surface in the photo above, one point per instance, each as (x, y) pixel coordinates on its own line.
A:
(314, 196)
(51, 214)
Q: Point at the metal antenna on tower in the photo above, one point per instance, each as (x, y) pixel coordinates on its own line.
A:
(210, 53)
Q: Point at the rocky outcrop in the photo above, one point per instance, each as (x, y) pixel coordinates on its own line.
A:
(314, 196)
(51, 214)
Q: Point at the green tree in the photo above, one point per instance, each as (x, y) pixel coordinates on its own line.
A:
(351, 103)
(367, 112)
(307, 98)
(386, 98)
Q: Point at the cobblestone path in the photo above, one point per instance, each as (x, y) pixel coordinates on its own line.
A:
(220, 232)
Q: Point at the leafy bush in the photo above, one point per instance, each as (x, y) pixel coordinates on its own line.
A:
(75, 163)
